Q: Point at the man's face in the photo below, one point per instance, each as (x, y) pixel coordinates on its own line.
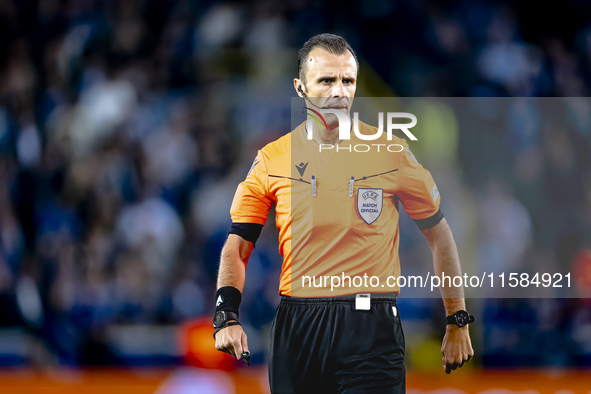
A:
(330, 82)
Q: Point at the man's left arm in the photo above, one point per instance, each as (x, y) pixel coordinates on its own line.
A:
(456, 347)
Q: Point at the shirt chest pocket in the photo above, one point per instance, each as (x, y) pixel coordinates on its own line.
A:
(328, 212)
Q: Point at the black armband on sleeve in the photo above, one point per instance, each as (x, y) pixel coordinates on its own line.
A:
(427, 223)
(248, 231)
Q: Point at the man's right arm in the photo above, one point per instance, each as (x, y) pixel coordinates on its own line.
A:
(249, 212)
(234, 258)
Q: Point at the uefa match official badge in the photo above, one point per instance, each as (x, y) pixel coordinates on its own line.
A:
(369, 204)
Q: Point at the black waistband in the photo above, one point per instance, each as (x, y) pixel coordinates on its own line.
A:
(335, 300)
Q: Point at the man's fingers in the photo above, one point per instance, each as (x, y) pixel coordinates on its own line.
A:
(229, 344)
(466, 360)
(225, 349)
(244, 343)
(446, 365)
(237, 350)
(451, 367)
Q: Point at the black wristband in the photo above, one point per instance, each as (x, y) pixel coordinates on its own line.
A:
(228, 298)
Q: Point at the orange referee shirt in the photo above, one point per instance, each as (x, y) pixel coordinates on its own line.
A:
(336, 233)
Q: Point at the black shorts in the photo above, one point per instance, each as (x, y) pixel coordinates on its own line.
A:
(325, 345)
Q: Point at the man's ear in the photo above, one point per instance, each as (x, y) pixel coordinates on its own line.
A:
(298, 86)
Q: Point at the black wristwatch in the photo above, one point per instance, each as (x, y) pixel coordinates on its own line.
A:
(221, 318)
(460, 318)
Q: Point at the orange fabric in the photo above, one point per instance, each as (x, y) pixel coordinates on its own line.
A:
(327, 235)
(254, 380)
(128, 381)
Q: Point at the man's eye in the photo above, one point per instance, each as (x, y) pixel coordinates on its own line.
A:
(326, 81)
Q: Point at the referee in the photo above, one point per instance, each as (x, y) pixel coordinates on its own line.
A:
(336, 216)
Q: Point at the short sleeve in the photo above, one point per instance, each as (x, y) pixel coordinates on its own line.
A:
(252, 201)
(417, 191)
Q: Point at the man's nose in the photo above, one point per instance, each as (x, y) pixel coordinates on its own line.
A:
(338, 90)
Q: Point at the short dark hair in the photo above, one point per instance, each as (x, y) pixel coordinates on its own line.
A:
(331, 43)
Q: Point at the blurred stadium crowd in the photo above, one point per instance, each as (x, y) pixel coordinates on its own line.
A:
(125, 127)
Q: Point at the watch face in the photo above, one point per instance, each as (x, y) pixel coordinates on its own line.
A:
(219, 318)
(462, 318)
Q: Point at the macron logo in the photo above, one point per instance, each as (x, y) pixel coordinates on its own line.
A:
(219, 301)
(302, 168)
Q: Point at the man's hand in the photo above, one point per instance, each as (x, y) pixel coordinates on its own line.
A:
(456, 347)
(235, 255)
(232, 340)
